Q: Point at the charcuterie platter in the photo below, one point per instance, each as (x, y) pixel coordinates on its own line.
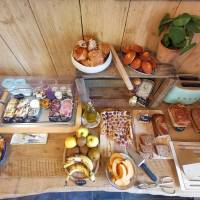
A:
(41, 105)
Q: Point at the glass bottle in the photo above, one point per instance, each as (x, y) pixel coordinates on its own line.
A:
(91, 117)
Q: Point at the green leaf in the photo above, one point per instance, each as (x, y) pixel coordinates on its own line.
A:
(177, 35)
(182, 20)
(164, 21)
(181, 44)
(187, 48)
(192, 27)
(161, 29)
(165, 40)
(196, 19)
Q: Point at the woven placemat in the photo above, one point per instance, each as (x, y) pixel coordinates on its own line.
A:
(32, 168)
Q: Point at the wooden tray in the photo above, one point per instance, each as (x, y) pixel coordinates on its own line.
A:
(141, 128)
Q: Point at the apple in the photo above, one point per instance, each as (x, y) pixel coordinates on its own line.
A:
(92, 141)
(70, 142)
(82, 132)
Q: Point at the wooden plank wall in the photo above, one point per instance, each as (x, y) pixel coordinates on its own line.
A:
(36, 36)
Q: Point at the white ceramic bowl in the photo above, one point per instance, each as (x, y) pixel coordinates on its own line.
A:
(92, 70)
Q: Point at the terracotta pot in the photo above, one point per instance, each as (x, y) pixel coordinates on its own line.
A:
(165, 55)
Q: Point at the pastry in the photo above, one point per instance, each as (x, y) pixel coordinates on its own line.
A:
(152, 62)
(82, 43)
(137, 48)
(125, 50)
(179, 115)
(128, 57)
(196, 117)
(87, 38)
(104, 48)
(10, 110)
(147, 139)
(80, 53)
(116, 125)
(95, 57)
(145, 56)
(147, 67)
(163, 150)
(159, 125)
(86, 62)
(136, 63)
(92, 45)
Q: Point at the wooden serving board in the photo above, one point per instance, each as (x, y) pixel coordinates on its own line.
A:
(144, 128)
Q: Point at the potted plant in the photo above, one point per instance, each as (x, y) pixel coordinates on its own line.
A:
(176, 35)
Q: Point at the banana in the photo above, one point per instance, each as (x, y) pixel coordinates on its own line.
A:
(82, 159)
(92, 176)
(78, 168)
(69, 163)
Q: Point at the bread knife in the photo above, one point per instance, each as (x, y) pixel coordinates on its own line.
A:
(140, 162)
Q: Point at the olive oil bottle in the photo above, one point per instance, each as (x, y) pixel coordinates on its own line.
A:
(91, 117)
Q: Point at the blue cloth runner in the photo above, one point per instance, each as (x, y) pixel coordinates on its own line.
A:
(98, 195)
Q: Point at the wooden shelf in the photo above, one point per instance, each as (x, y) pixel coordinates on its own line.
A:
(162, 71)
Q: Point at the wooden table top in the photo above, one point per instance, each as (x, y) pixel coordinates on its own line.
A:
(19, 186)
